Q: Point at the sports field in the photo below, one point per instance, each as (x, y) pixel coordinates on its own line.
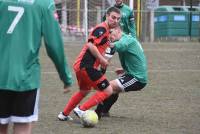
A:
(170, 104)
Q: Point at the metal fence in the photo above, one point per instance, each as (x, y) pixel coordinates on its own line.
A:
(78, 19)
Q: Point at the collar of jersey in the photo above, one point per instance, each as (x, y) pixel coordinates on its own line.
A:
(106, 25)
(120, 6)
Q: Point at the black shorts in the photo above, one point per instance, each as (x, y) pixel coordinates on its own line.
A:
(129, 83)
(18, 107)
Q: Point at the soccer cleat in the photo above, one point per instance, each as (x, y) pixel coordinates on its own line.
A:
(102, 114)
(105, 114)
(78, 112)
(63, 117)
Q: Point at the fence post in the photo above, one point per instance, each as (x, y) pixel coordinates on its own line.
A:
(64, 15)
(86, 19)
(98, 8)
(151, 25)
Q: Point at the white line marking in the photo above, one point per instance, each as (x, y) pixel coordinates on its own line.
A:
(159, 71)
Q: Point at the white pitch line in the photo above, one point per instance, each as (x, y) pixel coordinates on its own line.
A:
(171, 50)
(161, 71)
(181, 70)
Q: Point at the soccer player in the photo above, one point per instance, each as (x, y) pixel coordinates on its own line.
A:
(86, 68)
(127, 25)
(23, 24)
(133, 74)
(127, 21)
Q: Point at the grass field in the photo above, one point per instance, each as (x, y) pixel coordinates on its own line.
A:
(169, 104)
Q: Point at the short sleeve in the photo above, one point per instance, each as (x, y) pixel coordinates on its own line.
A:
(98, 36)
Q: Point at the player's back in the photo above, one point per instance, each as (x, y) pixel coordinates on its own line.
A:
(20, 40)
(21, 21)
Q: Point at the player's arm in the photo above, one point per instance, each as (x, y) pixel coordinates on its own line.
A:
(110, 51)
(132, 24)
(96, 39)
(122, 45)
(95, 52)
(54, 45)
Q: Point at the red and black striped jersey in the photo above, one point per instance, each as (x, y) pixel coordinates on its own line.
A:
(98, 37)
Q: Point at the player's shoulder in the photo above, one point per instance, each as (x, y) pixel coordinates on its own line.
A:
(100, 29)
(128, 38)
(126, 7)
(102, 25)
(39, 3)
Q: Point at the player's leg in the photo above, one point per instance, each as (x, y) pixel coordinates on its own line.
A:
(124, 83)
(22, 107)
(74, 101)
(25, 111)
(3, 128)
(77, 97)
(99, 82)
(97, 98)
(104, 107)
(4, 110)
(22, 128)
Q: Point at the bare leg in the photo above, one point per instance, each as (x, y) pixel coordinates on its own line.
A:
(3, 128)
(22, 128)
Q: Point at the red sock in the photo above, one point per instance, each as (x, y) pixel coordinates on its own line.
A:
(73, 102)
(95, 99)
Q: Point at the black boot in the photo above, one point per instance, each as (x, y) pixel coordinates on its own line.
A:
(104, 107)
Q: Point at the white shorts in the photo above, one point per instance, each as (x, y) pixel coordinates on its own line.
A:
(18, 107)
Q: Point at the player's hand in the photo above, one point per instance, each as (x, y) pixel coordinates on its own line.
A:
(104, 63)
(119, 71)
(66, 89)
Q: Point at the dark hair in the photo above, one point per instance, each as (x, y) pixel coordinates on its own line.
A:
(112, 9)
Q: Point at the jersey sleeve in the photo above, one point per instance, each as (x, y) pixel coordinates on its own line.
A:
(54, 44)
(132, 24)
(98, 37)
(122, 44)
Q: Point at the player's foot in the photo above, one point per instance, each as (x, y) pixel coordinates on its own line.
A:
(102, 114)
(105, 114)
(63, 117)
(78, 112)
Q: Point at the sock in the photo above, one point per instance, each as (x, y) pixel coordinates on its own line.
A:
(73, 102)
(95, 99)
(107, 103)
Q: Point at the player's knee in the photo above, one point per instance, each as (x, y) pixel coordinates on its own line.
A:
(103, 85)
(84, 92)
(115, 86)
(109, 90)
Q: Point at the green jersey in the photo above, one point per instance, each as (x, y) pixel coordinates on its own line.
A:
(127, 22)
(132, 57)
(22, 26)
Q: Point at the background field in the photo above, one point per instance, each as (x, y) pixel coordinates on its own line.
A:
(170, 104)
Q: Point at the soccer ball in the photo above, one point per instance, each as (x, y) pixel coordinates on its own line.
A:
(89, 118)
